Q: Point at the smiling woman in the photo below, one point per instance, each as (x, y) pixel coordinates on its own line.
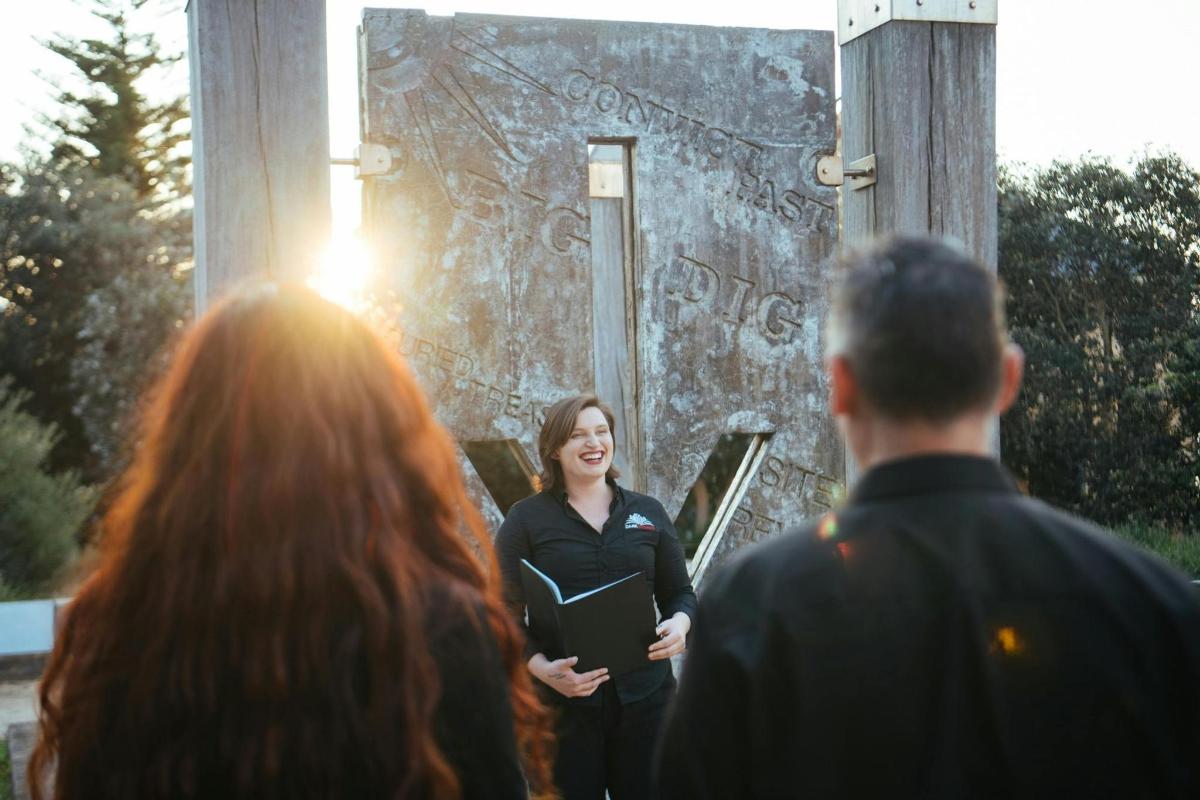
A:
(344, 272)
(583, 530)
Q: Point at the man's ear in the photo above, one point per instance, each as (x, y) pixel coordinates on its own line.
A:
(1012, 370)
(843, 388)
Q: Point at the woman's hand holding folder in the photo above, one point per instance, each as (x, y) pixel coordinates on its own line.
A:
(672, 637)
(559, 676)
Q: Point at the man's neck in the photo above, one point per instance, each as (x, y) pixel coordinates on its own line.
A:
(877, 441)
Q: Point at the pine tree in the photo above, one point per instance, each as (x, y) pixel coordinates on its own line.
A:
(111, 126)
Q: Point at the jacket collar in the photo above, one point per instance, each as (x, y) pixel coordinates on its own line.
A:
(929, 474)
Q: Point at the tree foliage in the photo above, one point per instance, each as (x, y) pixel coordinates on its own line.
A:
(82, 260)
(111, 125)
(1102, 266)
(122, 346)
(40, 512)
(95, 245)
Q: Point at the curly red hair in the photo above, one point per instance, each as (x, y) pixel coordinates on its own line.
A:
(257, 622)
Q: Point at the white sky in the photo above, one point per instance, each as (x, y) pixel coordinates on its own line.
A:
(1073, 76)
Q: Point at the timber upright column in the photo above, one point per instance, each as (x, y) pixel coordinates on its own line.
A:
(260, 128)
(919, 93)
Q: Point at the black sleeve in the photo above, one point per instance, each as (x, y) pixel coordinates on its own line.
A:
(672, 584)
(512, 545)
(474, 722)
(703, 748)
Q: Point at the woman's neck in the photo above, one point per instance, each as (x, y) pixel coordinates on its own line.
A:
(590, 492)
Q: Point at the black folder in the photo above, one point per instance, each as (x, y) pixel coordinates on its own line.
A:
(612, 626)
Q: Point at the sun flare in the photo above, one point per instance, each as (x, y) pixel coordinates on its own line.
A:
(345, 270)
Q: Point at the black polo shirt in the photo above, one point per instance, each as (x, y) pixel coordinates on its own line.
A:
(943, 636)
(637, 537)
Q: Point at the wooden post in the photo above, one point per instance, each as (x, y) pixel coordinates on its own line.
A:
(613, 279)
(921, 96)
(260, 127)
(919, 92)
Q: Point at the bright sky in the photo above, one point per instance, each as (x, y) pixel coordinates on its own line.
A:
(1073, 76)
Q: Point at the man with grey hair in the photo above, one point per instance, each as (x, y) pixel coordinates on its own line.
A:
(941, 635)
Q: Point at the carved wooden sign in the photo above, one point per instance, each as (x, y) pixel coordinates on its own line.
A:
(626, 207)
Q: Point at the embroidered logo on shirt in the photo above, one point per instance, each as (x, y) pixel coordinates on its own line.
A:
(639, 522)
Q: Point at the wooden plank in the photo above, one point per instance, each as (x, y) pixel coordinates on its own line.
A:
(963, 202)
(611, 343)
(901, 113)
(886, 110)
(921, 96)
(858, 207)
(260, 123)
(721, 518)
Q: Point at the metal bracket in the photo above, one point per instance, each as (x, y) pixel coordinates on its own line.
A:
(861, 173)
(856, 17)
(369, 159)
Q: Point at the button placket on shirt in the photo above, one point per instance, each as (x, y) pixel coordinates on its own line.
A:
(601, 547)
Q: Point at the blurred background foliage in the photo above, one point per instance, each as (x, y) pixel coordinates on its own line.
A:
(1102, 268)
(40, 512)
(95, 259)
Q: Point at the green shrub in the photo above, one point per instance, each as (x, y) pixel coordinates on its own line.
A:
(40, 513)
(8, 593)
(5, 771)
(1181, 549)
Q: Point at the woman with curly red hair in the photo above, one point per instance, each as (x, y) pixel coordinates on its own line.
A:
(295, 598)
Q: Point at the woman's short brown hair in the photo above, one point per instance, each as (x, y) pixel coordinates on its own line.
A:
(556, 430)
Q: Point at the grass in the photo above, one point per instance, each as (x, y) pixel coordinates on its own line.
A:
(1182, 550)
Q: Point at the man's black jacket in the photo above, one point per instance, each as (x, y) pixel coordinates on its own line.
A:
(944, 636)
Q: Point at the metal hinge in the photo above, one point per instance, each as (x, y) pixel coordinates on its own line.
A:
(861, 173)
(369, 159)
(856, 17)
